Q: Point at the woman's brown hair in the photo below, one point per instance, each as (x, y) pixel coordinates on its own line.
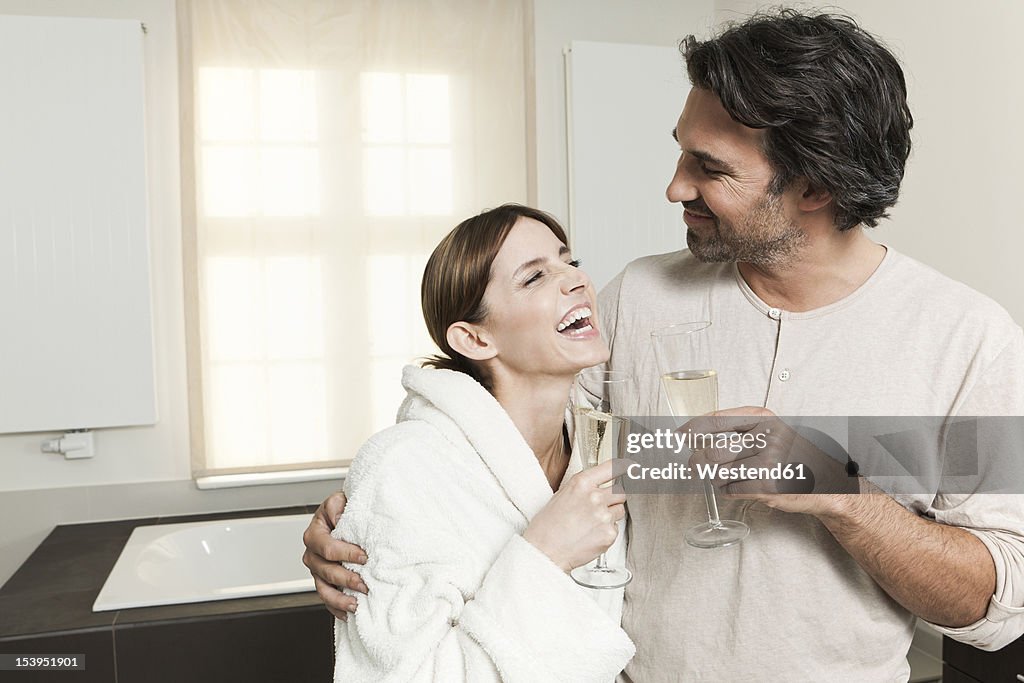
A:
(457, 274)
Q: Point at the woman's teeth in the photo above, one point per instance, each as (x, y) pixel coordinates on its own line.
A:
(579, 330)
(575, 317)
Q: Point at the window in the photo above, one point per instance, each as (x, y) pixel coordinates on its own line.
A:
(327, 148)
(407, 144)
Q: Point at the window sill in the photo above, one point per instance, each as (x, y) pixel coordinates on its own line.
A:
(229, 481)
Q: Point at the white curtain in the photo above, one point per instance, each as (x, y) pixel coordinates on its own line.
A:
(327, 145)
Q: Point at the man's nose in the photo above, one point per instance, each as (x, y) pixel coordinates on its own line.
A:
(681, 188)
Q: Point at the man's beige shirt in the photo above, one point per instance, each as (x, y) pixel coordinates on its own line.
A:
(788, 603)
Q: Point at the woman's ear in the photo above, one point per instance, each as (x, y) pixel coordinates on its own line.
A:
(472, 341)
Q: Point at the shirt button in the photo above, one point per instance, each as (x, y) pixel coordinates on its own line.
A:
(784, 375)
(774, 313)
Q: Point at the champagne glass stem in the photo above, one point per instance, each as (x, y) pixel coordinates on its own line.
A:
(602, 563)
(689, 382)
(712, 503)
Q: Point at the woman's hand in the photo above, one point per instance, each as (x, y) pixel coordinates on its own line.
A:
(323, 555)
(580, 521)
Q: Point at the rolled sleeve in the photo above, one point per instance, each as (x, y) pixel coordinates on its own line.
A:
(1003, 622)
(997, 519)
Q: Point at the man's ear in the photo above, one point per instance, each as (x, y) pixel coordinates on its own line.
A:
(472, 341)
(812, 198)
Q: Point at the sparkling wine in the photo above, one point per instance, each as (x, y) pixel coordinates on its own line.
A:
(691, 392)
(599, 436)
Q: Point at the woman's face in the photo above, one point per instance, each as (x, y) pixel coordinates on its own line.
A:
(541, 308)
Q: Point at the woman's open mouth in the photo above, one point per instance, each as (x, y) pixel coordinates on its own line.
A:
(576, 322)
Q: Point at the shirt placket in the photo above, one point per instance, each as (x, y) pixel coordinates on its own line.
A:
(782, 371)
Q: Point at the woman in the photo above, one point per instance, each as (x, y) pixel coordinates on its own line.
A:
(468, 550)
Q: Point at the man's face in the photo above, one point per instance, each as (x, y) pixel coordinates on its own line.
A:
(722, 181)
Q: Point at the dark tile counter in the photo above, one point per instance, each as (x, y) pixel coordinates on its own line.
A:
(46, 608)
(965, 664)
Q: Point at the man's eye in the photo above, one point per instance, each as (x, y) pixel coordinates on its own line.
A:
(709, 172)
(576, 263)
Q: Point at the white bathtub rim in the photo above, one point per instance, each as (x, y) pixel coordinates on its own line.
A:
(124, 589)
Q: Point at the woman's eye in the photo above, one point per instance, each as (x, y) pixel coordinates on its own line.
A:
(575, 263)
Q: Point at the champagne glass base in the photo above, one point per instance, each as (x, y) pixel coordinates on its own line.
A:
(709, 535)
(605, 577)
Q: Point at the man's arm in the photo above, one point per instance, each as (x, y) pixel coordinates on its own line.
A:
(963, 572)
(943, 574)
(940, 572)
(324, 555)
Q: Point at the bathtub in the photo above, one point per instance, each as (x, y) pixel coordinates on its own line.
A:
(169, 564)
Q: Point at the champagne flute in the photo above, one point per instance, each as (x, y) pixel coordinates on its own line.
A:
(683, 353)
(600, 436)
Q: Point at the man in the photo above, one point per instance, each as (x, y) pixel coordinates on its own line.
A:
(793, 139)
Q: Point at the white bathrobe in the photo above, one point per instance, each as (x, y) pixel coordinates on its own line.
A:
(438, 502)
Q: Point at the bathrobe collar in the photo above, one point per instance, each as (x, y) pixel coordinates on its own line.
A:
(463, 410)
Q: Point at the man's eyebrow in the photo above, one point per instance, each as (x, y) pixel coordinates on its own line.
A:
(709, 158)
(534, 262)
(706, 157)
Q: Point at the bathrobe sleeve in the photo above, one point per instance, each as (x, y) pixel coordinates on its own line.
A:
(454, 593)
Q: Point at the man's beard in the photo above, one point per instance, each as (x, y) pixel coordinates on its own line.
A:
(764, 238)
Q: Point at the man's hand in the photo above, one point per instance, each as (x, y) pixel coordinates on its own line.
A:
(768, 442)
(943, 574)
(323, 555)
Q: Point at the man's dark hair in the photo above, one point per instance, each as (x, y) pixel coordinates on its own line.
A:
(831, 99)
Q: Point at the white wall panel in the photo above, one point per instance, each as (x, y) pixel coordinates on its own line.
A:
(623, 102)
(76, 346)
